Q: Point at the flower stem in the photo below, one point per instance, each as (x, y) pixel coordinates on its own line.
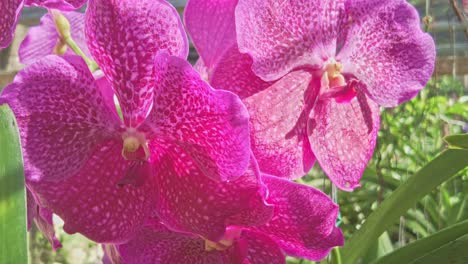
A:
(73, 46)
(63, 29)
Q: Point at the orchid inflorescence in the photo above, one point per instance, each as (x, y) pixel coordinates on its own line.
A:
(162, 162)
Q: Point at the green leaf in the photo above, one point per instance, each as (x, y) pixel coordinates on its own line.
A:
(446, 246)
(13, 243)
(457, 141)
(404, 197)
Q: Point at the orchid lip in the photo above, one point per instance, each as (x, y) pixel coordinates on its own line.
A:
(132, 141)
(227, 241)
(332, 74)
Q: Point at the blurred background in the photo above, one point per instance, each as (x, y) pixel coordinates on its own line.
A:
(410, 136)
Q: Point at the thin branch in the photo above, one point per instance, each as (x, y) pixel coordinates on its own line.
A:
(459, 14)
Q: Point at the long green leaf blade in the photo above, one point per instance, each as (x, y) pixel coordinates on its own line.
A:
(13, 243)
(404, 197)
(457, 141)
(426, 246)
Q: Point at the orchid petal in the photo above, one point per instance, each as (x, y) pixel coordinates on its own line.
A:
(278, 126)
(211, 26)
(67, 5)
(157, 244)
(42, 39)
(212, 125)
(234, 73)
(124, 38)
(343, 137)
(387, 50)
(283, 35)
(93, 203)
(43, 219)
(261, 249)
(190, 202)
(60, 114)
(303, 224)
(10, 13)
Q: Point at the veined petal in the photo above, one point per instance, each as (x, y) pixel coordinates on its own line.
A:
(8, 19)
(261, 249)
(211, 26)
(43, 38)
(157, 244)
(124, 38)
(303, 224)
(111, 254)
(66, 5)
(61, 116)
(211, 125)
(278, 125)
(190, 202)
(43, 219)
(233, 72)
(343, 137)
(386, 49)
(283, 35)
(93, 203)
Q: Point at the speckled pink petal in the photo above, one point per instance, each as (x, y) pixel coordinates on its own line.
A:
(303, 224)
(261, 249)
(124, 38)
(283, 35)
(190, 202)
(212, 125)
(387, 50)
(8, 19)
(157, 244)
(233, 72)
(60, 114)
(43, 219)
(278, 126)
(93, 203)
(343, 138)
(57, 4)
(42, 39)
(211, 26)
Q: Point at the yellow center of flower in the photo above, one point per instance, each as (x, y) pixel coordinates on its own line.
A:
(332, 76)
(132, 141)
(220, 246)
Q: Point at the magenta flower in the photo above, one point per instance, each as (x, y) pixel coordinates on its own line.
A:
(11, 10)
(43, 39)
(92, 169)
(43, 220)
(303, 225)
(323, 69)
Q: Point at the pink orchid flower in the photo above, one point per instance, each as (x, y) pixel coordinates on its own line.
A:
(313, 74)
(303, 225)
(42, 217)
(11, 10)
(96, 171)
(43, 39)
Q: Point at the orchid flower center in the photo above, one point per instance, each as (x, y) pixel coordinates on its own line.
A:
(230, 236)
(332, 76)
(132, 142)
(220, 246)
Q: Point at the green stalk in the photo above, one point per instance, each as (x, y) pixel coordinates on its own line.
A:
(13, 240)
(63, 28)
(423, 246)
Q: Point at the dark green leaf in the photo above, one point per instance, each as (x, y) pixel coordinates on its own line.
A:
(404, 197)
